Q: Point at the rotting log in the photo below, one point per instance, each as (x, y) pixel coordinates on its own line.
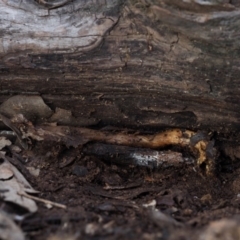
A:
(135, 63)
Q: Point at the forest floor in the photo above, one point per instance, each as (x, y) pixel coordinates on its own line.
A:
(107, 201)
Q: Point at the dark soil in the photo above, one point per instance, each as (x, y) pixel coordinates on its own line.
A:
(107, 201)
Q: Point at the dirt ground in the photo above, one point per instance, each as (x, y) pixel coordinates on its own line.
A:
(108, 201)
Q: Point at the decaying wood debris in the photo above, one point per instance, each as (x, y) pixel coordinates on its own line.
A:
(124, 155)
(30, 118)
(198, 143)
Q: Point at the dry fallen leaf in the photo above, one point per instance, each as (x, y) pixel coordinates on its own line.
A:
(5, 173)
(8, 229)
(32, 107)
(12, 184)
(4, 142)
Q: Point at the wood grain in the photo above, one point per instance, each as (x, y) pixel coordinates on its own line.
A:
(143, 64)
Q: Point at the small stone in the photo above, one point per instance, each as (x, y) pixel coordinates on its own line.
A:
(187, 212)
(79, 171)
(34, 171)
(152, 204)
(108, 207)
(92, 228)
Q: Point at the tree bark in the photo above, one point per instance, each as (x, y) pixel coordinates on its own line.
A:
(138, 63)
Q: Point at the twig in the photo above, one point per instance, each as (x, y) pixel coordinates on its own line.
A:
(42, 200)
(128, 186)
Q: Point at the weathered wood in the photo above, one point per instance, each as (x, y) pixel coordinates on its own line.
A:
(134, 63)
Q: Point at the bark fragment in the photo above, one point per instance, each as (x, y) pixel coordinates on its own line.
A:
(124, 155)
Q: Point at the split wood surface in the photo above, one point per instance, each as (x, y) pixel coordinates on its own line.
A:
(147, 64)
